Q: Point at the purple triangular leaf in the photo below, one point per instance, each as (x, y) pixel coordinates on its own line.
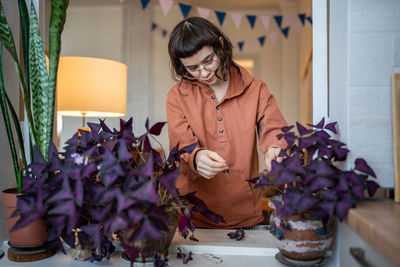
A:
(99, 213)
(302, 130)
(118, 223)
(362, 166)
(132, 252)
(123, 152)
(168, 180)
(306, 203)
(306, 142)
(156, 128)
(134, 215)
(341, 154)
(285, 177)
(65, 208)
(189, 149)
(324, 168)
(78, 192)
(286, 129)
(342, 184)
(320, 124)
(354, 178)
(358, 192)
(342, 207)
(147, 230)
(146, 192)
(331, 127)
(145, 169)
(93, 230)
(372, 186)
(329, 195)
(317, 184)
(329, 207)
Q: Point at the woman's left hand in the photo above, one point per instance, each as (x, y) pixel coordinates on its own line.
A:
(272, 154)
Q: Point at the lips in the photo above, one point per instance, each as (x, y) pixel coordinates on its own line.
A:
(210, 80)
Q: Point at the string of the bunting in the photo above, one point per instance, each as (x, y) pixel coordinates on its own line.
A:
(296, 22)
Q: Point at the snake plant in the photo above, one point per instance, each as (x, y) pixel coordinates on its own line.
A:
(37, 81)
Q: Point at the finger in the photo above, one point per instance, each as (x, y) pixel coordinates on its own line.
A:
(214, 164)
(279, 159)
(210, 169)
(206, 173)
(215, 157)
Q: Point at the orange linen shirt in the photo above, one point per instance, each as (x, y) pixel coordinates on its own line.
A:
(228, 128)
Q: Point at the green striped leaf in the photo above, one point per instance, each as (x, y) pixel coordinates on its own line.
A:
(41, 99)
(3, 103)
(7, 39)
(57, 22)
(24, 20)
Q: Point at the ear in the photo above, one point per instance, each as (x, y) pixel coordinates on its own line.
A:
(221, 39)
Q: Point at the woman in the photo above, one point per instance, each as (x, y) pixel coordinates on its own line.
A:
(219, 105)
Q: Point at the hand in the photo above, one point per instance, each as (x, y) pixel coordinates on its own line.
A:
(209, 163)
(272, 154)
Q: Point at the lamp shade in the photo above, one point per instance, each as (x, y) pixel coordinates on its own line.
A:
(91, 87)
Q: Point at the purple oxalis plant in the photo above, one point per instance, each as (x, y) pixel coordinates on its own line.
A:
(106, 181)
(309, 177)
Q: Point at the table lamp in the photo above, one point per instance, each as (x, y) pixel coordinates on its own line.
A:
(91, 87)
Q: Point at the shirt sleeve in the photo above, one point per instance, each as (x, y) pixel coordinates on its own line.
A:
(179, 132)
(269, 121)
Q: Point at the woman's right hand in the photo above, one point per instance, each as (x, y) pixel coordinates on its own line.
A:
(209, 163)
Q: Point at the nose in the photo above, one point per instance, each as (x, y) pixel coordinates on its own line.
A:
(204, 73)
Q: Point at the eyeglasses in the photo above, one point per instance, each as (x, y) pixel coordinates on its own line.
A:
(194, 73)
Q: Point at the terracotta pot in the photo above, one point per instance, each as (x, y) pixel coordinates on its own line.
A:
(306, 240)
(32, 235)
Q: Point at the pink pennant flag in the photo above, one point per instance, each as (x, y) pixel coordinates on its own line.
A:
(297, 25)
(293, 22)
(203, 12)
(236, 17)
(251, 43)
(265, 20)
(273, 36)
(166, 5)
(290, 19)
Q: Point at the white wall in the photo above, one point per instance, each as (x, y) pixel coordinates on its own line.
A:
(362, 97)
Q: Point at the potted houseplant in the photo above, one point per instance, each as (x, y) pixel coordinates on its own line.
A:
(38, 93)
(312, 190)
(110, 186)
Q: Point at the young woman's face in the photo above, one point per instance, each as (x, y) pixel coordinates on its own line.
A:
(202, 66)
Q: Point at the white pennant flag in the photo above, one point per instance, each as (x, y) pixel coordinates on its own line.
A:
(166, 6)
(203, 12)
(236, 17)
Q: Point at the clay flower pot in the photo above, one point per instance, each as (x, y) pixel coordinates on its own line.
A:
(306, 240)
(32, 235)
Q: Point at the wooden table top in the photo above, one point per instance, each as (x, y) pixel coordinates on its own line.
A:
(378, 223)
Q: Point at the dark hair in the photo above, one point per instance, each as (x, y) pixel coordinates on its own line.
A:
(191, 35)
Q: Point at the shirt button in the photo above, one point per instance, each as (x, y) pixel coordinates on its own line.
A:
(221, 131)
(213, 97)
(218, 107)
(219, 118)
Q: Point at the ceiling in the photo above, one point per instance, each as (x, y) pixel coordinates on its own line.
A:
(227, 4)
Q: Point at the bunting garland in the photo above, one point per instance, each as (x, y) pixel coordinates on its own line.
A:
(185, 9)
(252, 20)
(291, 21)
(220, 16)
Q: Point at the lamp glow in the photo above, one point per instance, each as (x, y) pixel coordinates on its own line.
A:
(91, 87)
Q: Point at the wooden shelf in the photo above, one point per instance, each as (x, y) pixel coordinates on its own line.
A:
(378, 223)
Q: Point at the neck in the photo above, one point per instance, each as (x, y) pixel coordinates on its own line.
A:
(220, 88)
